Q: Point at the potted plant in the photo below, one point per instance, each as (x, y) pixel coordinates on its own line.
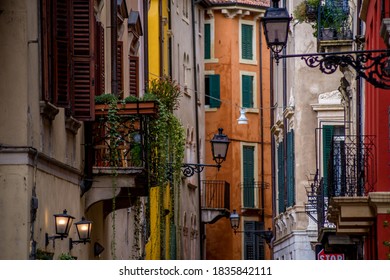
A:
(307, 11)
(131, 105)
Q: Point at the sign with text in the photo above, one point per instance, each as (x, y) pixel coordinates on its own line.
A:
(333, 256)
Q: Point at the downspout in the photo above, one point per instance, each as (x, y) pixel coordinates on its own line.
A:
(261, 122)
(273, 179)
(146, 39)
(114, 82)
(161, 37)
(201, 229)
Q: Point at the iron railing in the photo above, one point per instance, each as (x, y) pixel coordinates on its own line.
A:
(335, 20)
(351, 166)
(215, 194)
(252, 193)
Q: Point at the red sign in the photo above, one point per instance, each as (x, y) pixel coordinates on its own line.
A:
(322, 256)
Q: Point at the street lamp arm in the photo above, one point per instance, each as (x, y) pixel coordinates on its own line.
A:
(189, 169)
(371, 65)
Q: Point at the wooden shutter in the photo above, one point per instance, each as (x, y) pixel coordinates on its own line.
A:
(247, 91)
(246, 41)
(47, 25)
(119, 68)
(290, 169)
(133, 71)
(281, 190)
(100, 74)
(327, 136)
(214, 90)
(83, 66)
(249, 176)
(207, 41)
(253, 244)
(61, 53)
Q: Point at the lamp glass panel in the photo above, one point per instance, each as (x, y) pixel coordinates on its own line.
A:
(219, 150)
(84, 230)
(63, 224)
(277, 32)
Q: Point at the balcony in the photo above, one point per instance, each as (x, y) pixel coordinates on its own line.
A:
(215, 200)
(120, 145)
(334, 26)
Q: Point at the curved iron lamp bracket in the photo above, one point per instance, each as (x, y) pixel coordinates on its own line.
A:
(371, 65)
(189, 169)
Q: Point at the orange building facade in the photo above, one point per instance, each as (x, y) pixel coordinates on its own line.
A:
(237, 76)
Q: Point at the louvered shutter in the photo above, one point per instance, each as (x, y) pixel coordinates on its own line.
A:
(119, 68)
(253, 243)
(100, 76)
(207, 41)
(246, 41)
(327, 136)
(281, 191)
(214, 91)
(61, 53)
(248, 173)
(290, 169)
(83, 66)
(247, 91)
(47, 25)
(133, 71)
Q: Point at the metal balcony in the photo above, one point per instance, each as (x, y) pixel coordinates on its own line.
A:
(215, 200)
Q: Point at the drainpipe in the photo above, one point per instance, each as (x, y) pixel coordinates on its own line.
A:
(273, 179)
(114, 82)
(261, 122)
(146, 39)
(201, 226)
(161, 37)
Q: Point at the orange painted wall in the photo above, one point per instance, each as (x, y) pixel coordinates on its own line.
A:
(221, 243)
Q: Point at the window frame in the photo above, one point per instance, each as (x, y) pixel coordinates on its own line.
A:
(254, 40)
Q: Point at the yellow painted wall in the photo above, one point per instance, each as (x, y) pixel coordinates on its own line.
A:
(153, 246)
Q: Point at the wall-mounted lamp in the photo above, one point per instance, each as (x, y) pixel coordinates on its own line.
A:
(371, 65)
(63, 222)
(235, 224)
(242, 119)
(83, 228)
(219, 147)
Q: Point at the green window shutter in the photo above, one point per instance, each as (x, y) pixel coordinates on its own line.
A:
(290, 169)
(281, 178)
(207, 41)
(247, 91)
(253, 244)
(214, 91)
(249, 176)
(246, 41)
(327, 136)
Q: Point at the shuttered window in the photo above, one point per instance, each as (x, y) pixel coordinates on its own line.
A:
(327, 136)
(246, 41)
(133, 72)
(248, 154)
(68, 55)
(247, 91)
(212, 94)
(207, 41)
(281, 190)
(119, 68)
(100, 76)
(290, 169)
(253, 244)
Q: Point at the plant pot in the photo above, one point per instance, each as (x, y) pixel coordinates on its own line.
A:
(133, 108)
(327, 34)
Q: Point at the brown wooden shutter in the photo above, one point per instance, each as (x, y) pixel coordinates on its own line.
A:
(119, 68)
(46, 24)
(133, 65)
(83, 63)
(100, 75)
(61, 53)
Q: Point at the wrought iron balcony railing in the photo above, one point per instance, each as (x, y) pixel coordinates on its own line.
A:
(335, 20)
(252, 194)
(351, 166)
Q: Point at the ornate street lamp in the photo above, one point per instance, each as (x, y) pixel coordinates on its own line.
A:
(219, 147)
(83, 228)
(371, 65)
(63, 222)
(267, 235)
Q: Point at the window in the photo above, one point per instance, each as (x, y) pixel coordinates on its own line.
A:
(281, 190)
(119, 68)
(247, 91)
(68, 58)
(207, 41)
(247, 41)
(100, 76)
(253, 244)
(290, 176)
(133, 72)
(248, 156)
(212, 91)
